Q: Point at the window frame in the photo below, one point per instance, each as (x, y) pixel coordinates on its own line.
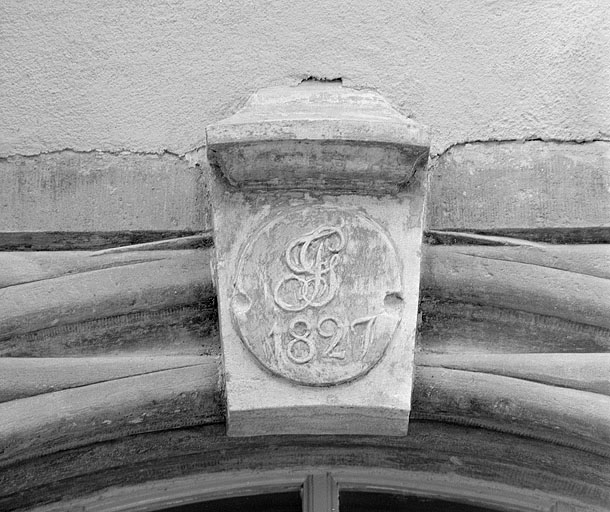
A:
(320, 490)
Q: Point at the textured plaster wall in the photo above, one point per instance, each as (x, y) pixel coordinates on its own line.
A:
(149, 76)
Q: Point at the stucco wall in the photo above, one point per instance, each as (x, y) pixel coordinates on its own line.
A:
(149, 76)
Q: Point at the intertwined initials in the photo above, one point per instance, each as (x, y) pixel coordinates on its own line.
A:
(312, 260)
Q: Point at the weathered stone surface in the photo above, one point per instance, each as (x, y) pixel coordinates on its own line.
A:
(318, 135)
(167, 398)
(524, 279)
(119, 302)
(96, 191)
(487, 186)
(318, 292)
(162, 469)
(495, 393)
(33, 241)
(520, 186)
(455, 327)
(512, 404)
(125, 285)
(584, 372)
(21, 377)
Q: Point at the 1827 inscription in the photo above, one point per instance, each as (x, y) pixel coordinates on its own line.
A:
(317, 295)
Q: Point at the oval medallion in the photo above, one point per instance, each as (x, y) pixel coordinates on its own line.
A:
(317, 297)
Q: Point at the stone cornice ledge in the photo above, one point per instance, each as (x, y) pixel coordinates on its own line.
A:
(318, 136)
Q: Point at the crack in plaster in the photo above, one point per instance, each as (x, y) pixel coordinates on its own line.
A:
(521, 140)
(118, 152)
(187, 155)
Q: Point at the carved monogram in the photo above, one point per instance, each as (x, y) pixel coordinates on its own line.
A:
(322, 292)
(312, 260)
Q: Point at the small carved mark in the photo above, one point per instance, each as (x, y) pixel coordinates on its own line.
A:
(241, 303)
(393, 301)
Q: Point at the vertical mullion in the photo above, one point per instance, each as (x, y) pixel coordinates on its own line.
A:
(320, 494)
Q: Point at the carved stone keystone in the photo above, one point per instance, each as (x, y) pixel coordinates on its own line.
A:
(318, 194)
